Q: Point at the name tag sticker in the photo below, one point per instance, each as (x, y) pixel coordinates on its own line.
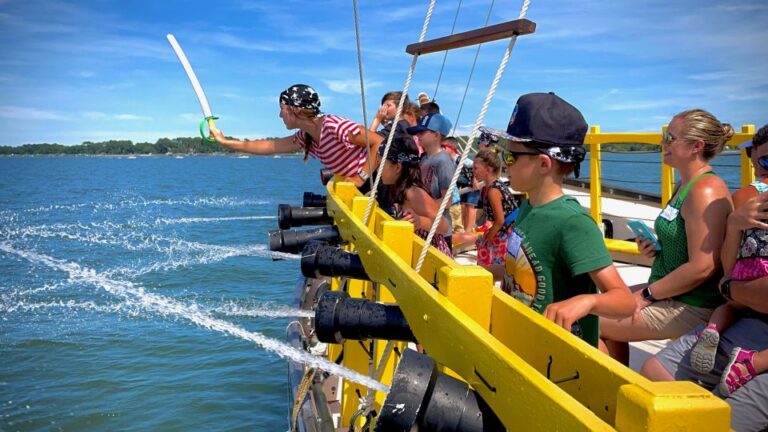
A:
(670, 213)
(513, 244)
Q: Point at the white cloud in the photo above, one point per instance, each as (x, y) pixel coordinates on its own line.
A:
(744, 7)
(27, 113)
(190, 117)
(640, 105)
(93, 115)
(132, 117)
(85, 74)
(350, 86)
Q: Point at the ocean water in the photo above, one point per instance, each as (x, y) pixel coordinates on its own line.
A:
(89, 244)
(139, 294)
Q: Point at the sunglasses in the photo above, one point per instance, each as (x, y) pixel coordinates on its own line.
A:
(510, 156)
(763, 161)
(668, 138)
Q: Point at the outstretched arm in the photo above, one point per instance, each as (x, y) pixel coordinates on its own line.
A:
(260, 147)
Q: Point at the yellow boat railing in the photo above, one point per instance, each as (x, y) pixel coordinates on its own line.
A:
(595, 138)
(532, 373)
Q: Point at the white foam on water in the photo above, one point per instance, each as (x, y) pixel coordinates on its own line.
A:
(173, 221)
(134, 294)
(23, 306)
(142, 202)
(47, 287)
(181, 253)
(184, 254)
(264, 310)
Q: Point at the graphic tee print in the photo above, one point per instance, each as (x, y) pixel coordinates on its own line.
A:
(550, 253)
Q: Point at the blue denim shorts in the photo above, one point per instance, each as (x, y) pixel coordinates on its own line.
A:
(470, 198)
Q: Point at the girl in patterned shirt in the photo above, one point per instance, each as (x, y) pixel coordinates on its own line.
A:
(340, 144)
(499, 206)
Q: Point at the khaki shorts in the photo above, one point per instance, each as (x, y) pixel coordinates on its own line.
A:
(672, 319)
(457, 225)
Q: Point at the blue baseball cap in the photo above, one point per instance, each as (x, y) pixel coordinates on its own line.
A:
(745, 144)
(433, 122)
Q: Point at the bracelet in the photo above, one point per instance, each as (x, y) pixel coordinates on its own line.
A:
(648, 295)
(725, 289)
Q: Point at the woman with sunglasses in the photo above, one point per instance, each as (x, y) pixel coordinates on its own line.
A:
(738, 350)
(340, 144)
(681, 292)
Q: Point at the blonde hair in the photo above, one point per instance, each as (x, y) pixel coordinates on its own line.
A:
(702, 125)
(490, 159)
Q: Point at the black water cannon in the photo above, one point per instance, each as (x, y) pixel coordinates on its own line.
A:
(319, 259)
(293, 241)
(420, 398)
(326, 175)
(313, 200)
(339, 317)
(288, 216)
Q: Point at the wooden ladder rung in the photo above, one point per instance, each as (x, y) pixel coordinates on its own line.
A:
(473, 37)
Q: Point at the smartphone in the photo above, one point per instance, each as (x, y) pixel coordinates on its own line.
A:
(641, 230)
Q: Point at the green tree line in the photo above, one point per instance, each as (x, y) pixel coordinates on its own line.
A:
(189, 145)
(119, 147)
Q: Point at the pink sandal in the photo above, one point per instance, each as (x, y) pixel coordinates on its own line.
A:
(739, 371)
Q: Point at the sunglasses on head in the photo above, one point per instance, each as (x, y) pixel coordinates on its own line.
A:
(510, 156)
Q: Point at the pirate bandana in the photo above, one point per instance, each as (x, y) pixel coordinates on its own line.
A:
(565, 154)
(404, 158)
(301, 96)
(487, 137)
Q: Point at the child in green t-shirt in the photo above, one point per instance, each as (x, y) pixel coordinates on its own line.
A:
(556, 254)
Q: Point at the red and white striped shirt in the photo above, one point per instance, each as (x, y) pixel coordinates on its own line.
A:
(335, 151)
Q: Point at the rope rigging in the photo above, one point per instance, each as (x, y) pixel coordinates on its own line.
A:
(471, 72)
(465, 152)
(445, 55)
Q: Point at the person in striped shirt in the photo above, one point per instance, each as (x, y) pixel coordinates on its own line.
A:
(340, 144)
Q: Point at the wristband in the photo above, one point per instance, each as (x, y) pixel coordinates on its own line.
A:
(725, 289)
(648, 295)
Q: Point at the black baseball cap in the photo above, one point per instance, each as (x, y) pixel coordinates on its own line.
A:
(546, 120)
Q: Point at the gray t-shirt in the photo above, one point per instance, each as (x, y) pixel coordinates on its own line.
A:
(436, 173)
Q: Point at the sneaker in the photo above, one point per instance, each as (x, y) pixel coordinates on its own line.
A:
(704, 352)
(738, 372)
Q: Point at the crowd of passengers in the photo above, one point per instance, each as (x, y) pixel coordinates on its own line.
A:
(709, 278)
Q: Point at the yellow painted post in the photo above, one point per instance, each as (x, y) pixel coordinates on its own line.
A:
(355, 357)
(398, 235)
(667, 176)
(747, 173)
(595, 182)
(670, 406)
(470, 288)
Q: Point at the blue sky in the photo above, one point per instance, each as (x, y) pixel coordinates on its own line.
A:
(96, 70)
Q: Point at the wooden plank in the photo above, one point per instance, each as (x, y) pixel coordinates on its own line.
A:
(473, 37)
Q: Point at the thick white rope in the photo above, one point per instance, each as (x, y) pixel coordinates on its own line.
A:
(372, 198)
(368, 402)
(449, 194)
